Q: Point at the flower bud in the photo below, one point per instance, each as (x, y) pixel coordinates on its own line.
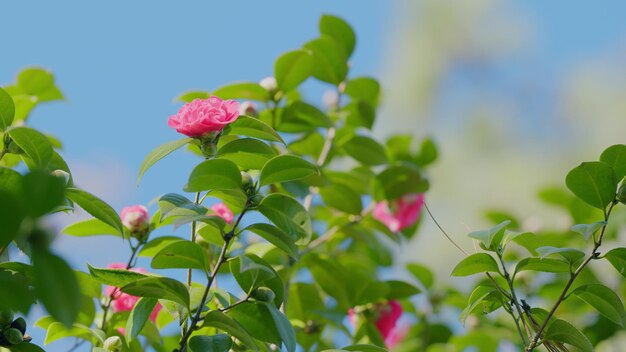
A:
(330, 99)
(263, 294)
(136, 220)
(270, 85)
(256, 199)
(247, 182)
(248, 108)
(6, 317)
(62, 175)
(621, 194)
(113, 343)
(223, 212)
(13, 335)
(19, 324)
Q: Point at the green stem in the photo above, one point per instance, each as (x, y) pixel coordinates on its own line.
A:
(196, 201)
(571, 280)
(515, 302)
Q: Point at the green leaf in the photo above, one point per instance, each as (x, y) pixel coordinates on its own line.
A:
(286, 168)
(251, 127)
(571, 255)
(257, 320)
(90, 227)
(11, 216)
(282, 324)
(615, 156)
(562, 331)
(617, 258)
(247, 153)
(139, 316)
(342, 198)
(476, 263)
(154, 246)
(293, 68)
(35, 81)
(302, 117)
(366, 150)
(214, 174)
(172, 204)
(484, 300)
(181, 255)
(42, 193)
(399, 180)
(604, 300)
(159, 287)
(340, 31)
(331, 62)
(188, 97)
(57, 331)
(428, 153)
(304, 298)
(219, 320)
(115, 277)
(276, 237)
(243, 90)
(34, 144)
(10, 180)
(251, 271)
(16, 291)
(360, 114)
(7, 110)
(588, 229)
(26, 347)
(594, 182)
(159, 153)
(400, 289)
(362, 348)
(96, 207)
(487, 237)
(422, 273)
(56, 286)
(363, 88)
(215, 343)
(288, 215)
(543, 264)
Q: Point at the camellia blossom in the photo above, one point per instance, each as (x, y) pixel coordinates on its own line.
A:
(123, 301)
(387, 317)
(224, 212)
(396, 335)
(401, 213)
(135, 218)
(203, 116)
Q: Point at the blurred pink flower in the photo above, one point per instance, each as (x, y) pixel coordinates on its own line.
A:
(123, 301)
(388, 315)
(222, 211)
(396, 335)
(401, 213)
(202, 116)
(135, 218)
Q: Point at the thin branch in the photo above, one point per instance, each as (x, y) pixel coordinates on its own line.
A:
(196, 201)
(515, 302)
(443, 231)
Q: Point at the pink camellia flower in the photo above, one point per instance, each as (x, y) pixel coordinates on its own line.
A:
(396, 335)
(222, 211)
(136, 218)
(403, 212)
(203, 116)
(387, 317)
(123, 301)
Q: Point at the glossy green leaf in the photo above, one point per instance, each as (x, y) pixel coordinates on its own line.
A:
(286, 168)
(331, 62)
(139, 316)
(342, 198)
(483, 300)
(562, 331)
(288, 215)
(283, 326)
(214, 174)
(604, 300)
(594, 182)
(34, 144)
(25, 347)
(243, 90)
(615, 156)
(154, 246)
(7, 110)
(363, 88)
(362, 348)
(304, 298)
(400, 289)
(257, 320)
(276, 237)
(340, 31)
(172, 204)
(571, 255)
(491, 238)
(366, 150)
(397, 181)
(90, 227)
(96, 207)
(247, 153)
(159, 153)
(214, 343)
(159, 287)
(10, 180)
(543, 264)
(56, 286)
(114, 277)
(474, 264)
(35, 81)
(588, 229)
(293, 68)
(56, 331)
(251, 271)
(617, 258)
(302, 117)
(181, 255)
(42, 193)
(251, 127)
(220, 321)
